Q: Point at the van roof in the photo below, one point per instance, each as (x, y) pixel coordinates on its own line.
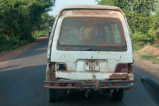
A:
(92, 7)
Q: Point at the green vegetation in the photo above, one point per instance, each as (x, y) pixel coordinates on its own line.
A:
(45, 26)
(148, 56)
(20, 20)
(136, 48)
(142, 16)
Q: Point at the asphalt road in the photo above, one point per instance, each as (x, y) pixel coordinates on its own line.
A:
(22, 76)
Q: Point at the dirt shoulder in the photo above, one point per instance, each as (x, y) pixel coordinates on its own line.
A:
(147, 65)
(154, 51)
(11, 53)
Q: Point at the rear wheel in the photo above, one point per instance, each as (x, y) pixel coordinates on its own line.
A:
(118, 94)
(53, 95)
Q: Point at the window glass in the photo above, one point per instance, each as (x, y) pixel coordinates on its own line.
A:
(91, 31)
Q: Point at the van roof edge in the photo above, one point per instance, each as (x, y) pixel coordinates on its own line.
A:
(92, 7)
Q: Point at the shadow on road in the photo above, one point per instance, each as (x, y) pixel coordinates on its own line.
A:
(94, 99)
(8, 67)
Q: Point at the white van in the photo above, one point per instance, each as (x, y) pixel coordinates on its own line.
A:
(89, 49)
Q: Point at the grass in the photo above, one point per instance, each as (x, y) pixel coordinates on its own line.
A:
(40, 33)
(150, 57)
(136, 48)
(145, 55)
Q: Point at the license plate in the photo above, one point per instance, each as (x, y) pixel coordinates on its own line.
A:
(91, 65)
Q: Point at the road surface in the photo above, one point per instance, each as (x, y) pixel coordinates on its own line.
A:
(22, 76)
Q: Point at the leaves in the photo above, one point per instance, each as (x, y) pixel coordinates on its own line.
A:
(19, 18)
(143, 24)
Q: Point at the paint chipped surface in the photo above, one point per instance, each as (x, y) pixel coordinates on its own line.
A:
(119, 77)
(76, 61)
(90, 13)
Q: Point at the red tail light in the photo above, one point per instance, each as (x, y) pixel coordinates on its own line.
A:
(121, 68)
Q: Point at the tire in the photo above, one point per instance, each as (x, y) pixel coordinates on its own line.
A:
(118, 94)
(53, 95)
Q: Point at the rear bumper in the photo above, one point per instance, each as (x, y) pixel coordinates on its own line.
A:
(73, 84)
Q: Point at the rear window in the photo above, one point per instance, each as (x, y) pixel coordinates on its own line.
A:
(91, 33)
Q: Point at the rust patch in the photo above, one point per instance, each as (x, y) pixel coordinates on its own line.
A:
(130, 70)
(90, 12)
(87, 85)
(92, 7)
(118, 77)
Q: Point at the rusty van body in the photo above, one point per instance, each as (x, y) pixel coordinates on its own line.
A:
(89, 49)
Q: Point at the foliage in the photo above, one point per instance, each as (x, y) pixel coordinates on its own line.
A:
(19, 19)
(51, 21)
(40, 33)
(136, 48)
(142, 15)
(46, 24)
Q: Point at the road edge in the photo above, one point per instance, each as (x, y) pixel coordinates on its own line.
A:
(4, 57)
(147, 65)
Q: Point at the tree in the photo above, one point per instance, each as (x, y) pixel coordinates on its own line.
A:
(142, 18)
(19, 18)
(36, 10)
(138, 12)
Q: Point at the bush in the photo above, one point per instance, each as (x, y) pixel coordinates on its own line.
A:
(11, 43)
(18, 19)
(40, 33)
(141, 39)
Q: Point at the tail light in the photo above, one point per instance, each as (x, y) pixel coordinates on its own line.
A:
(121, 68)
